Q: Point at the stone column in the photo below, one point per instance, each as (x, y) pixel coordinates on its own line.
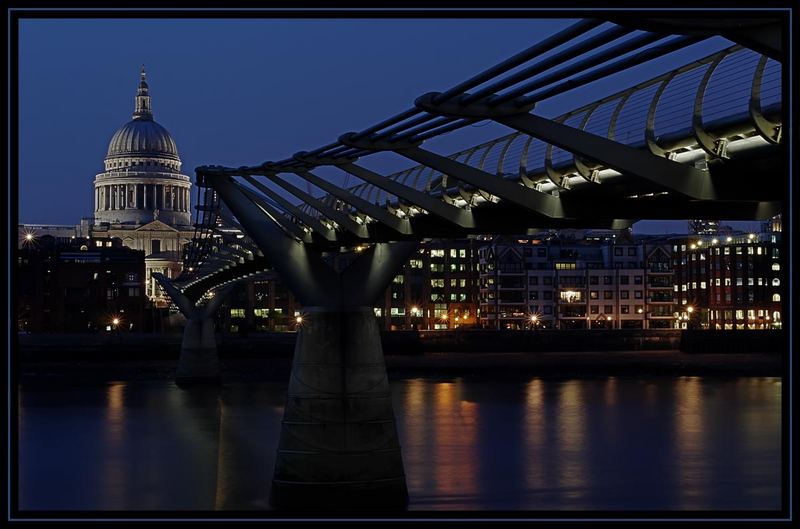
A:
(107, 198)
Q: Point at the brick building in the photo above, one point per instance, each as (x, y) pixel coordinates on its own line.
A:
(79, 285)
(732, 282)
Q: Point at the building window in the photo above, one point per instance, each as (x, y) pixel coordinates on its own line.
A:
(608, 309)
(637, 294)
(594, 294)
(617, 251)
(624, 280)
(607, 280)
(155, 246)
(547, 281)
(625, 309)
(594, 309)
(624, 294)
(776, 282)
(776, 267)
(593, 280)
(237, 313)
(132, 277)
(570, 296)
(637, 280)
(548, 309)
(607, 294)
(534, 294)
(462, 253)
(437, 253)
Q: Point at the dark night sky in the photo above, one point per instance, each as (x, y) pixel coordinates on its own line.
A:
(239, 92)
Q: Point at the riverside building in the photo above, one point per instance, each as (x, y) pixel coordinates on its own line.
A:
(576, 279)
(730, 282)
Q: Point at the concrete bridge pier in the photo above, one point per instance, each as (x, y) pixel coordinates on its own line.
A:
(198, 362)
(338, 446)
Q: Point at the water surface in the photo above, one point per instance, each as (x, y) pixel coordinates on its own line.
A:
(663, 443)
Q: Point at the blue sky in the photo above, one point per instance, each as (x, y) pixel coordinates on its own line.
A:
(240, 92)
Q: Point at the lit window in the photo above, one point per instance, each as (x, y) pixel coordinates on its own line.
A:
(776, 282)
(776, 297)
(776, 266)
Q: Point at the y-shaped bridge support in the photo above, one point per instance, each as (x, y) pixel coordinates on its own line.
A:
(198, 362)
(338, 445)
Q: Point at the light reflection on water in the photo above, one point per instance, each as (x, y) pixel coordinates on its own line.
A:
(592, 444)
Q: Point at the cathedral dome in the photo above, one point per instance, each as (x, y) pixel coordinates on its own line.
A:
(143, 137)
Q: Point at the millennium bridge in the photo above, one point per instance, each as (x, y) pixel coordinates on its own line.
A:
(704, 140)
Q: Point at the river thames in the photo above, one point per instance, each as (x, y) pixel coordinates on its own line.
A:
(537, 444)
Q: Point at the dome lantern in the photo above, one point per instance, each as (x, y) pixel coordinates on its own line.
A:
(143, 109)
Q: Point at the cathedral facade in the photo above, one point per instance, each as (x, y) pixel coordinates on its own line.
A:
(142, 197)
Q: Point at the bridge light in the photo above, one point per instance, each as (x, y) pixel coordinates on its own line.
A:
(714, 241)
(689, 309)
